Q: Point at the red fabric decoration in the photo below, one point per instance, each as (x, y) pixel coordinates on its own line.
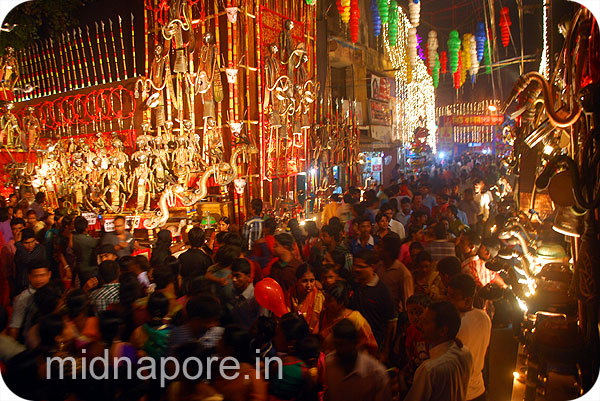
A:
(456, 75)
(505, 26)
(443, 62)
(354, 20)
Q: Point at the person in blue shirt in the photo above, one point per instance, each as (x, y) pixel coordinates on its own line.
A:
(365, 240)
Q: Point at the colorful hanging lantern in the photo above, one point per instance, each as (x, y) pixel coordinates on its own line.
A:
(505, 26)
(311, 2)
(432, 46)
(393, 23)
(464, 61)
(474, 62)
(457, 73)
(412, 47)
(466, 52)
(414, 12)
(339, 6)
(443, 62)
(383, 11)
(345, 14)
(376, 18)
(453, 50)
(354, 21)
(436, 72)
(486, 57)
(480, 39)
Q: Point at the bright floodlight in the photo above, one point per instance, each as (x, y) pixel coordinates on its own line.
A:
(441, 155)
(492, 107)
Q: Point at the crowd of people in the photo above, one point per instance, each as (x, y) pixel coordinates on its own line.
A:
(380, 293)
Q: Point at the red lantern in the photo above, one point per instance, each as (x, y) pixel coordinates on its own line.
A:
(443, 62)
(339, 5)
(354, 20)
(505, 26)
(427, 58)
(456, 75)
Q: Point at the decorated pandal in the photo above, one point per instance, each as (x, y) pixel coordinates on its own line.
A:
(220, 97)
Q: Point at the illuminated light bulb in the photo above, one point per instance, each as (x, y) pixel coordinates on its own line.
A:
(516, 375)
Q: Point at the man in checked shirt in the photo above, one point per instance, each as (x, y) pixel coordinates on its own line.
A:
(253, 228)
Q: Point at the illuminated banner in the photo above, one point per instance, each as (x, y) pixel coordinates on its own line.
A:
(471, 120)
(380, 113)
(380, 88)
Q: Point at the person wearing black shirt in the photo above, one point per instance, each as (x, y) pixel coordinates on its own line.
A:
(193, 262)
(373, 300)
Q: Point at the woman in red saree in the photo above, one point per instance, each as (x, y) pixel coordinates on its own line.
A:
(306, 298)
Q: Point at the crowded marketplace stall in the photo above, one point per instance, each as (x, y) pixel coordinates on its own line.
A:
(299, 200)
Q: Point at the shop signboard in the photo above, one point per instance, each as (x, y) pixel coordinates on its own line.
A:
(380, 88)
(472, 120)
(380, 113)
(377, 164)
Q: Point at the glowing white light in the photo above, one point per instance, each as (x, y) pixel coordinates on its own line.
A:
(544, 65)
(492, 107)
(548, 149)
(441, 155)
(313, 171)
(522, 305)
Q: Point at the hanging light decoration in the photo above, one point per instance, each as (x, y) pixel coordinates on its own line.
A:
(453, 50)
(443, 62)
(311, 2)
(383, 11)
(505, 26)
(339, 6)
(480, 39)
(376, 18)
(432, 46)
(436, 72)
(414, 12)
(486, 57)
(465, 64)
(466, 52)
(354, 21)
(457, 73)
(474, 62)
(412, 46)
(393, 23)
(345, 14)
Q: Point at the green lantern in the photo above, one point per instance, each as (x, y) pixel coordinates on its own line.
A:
(382, 5)
(393, 23)
(436, 72)
(453, 49)
(486, 57)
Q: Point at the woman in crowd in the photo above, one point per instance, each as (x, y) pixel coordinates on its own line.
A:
(305, 297)
(337, 298)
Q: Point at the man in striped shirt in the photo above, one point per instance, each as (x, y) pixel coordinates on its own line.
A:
(477, 253)
(108, 294)
(253, 228)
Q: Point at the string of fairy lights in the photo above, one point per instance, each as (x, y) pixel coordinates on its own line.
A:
(414, 88)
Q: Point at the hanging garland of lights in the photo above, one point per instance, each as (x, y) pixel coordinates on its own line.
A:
(453, 50)
(376, 18)
(414, 86)
(505, 26)
(393, 23)
(412, 47)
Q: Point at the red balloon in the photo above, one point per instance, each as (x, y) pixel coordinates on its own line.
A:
(269, 295)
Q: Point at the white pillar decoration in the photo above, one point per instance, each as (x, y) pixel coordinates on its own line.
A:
(432, 46)
(412, 47)
(473, 50)
(414, 12)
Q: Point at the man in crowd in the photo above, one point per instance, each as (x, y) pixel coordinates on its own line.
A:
(373, 300)
(476, 253)
(7, 261)
(28, 253)
(38, 205)
(445, 375)
(471, 208)
(441, 246)
(83, 247)
(253, 227)
(108, 293)
(428, 200)
(418, 206)
(403, 216)
(121, 239)
(393, 273)
(353, 374)
(39, 276)
(394, 225)
(365, 240)
(475, 331)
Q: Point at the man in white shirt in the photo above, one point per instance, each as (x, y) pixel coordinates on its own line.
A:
(475, 331)
(483, 197)
(394, 225)
(445, 375)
